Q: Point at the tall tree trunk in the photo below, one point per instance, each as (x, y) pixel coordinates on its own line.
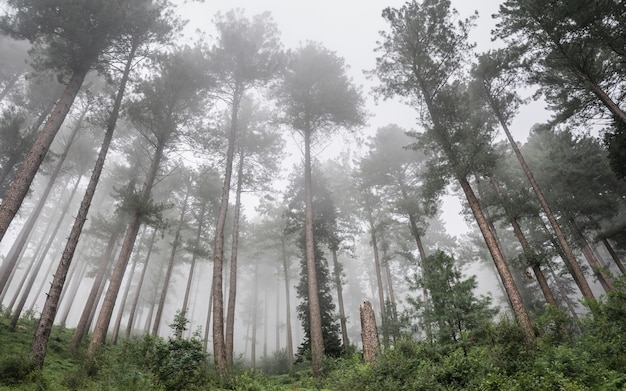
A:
(99, 334)
(94, 294)
(194, 256)
(541, 279)
(24, 177)
(205, 345)
(391, 294)
(277, 312)
(35, 256)
(591, 257)
(614, 256)
(289, 342)
(31, 281)
(342, 312)
(133, 307)
(315, 313)
(129, 282)
(574, 268)
(42, 334)
(36, 212)
(232, 291)
(379, 279)
(219, 343)
(170, 268)
(75, 276)
(513, 293)
(255, 309)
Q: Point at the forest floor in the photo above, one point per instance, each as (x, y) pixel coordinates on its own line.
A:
(587, 356)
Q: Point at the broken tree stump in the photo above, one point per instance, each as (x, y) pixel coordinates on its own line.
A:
(369, 332)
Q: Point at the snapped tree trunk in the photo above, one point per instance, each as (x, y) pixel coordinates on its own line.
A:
(369, 332)
(379, 278)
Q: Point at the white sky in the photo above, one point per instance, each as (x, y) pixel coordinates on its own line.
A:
(350, 28)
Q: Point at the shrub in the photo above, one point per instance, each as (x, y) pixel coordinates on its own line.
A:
(15, 370)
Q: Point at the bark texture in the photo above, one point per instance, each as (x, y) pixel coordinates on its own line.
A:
(369, 332)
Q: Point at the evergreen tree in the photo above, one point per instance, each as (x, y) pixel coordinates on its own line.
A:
(453, 309)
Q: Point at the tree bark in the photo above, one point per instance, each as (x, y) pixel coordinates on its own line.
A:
(20, 185)
(591, 257)
(232, 291)
(369, 332)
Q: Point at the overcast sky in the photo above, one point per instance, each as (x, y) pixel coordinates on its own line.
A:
(351, 29)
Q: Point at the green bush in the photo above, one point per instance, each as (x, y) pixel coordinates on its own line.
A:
(15, 370)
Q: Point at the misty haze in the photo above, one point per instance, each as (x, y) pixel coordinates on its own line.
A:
(272, 195)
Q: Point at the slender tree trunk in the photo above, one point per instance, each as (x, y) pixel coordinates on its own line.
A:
(40, 341)
(31, 281)
(379, 280)
(99, 334)
(392, 296)
(342, 312)
(219, 343)
(75, 276)
(574, 268)
(36, 255)
(153, 302)
(170, 268)
(277, 312)
(129, 282)
(513, 293)
(255, 309)
(232, 292)
(92, 300)
(194, 256)
(289, 342)
(591, 257)
(24, 177)
(205, 345)
(133, 308)
(36, 212)
(614, 256)
(541, 279)
(317, 341)
(369, 332)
